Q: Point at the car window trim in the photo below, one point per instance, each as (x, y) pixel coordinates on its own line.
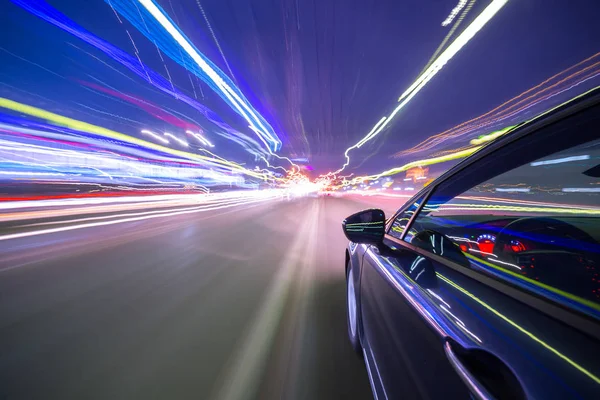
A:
(426, 191)
(574, 318)
(417, 211)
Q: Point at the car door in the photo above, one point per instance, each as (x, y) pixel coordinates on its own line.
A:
(488, 283)
(405, 356)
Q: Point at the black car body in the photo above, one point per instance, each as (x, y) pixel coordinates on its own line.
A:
(486, 283)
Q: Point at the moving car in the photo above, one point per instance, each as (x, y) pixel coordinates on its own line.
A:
(486, 283)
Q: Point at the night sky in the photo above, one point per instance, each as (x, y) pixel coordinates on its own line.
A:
(321, 72)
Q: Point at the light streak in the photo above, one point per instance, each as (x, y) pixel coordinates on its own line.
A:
(71, 202)
(450, 34)
(120, 221)
(455, 154)
(53, 16)
(523, 202)
(418, 163)
(234, 97)
(431, 292)
(483, 252)
(560, 160)
(155, 136)
(505, 263)
(506, 110)
(273, 166)
(294, 165)
(478, 23)
(23, 173)
(212, 32)
(358, 145)
(403, 288)
(581, 190)
(583, 304)
(511, 190)
(175, 138)
(521, 329)
(86, 127)
(461, 4)
(516, 209)
(460, 323)
(372, 133)
(119, 165)
(492, 136)
(200, 138)
(208, 206)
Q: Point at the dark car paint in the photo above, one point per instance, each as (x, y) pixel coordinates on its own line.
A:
(406, 326)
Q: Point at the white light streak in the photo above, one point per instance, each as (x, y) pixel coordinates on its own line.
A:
(431, 292)
(155, 136)
(581, 190)
(504, 263)
(560, 160)
(461, 4)
(175, 138)
(200, 138)
(522, 190)
(239, 103)
(482, 252)
(478, 23)
(132, 219)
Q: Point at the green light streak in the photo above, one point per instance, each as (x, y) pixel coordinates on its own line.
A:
(521, 329)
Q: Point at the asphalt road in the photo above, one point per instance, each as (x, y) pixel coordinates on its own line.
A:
(241, 303)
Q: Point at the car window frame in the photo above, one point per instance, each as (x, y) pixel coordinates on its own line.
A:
(572, 317)
(426, 193)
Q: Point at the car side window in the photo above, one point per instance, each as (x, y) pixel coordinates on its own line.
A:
(402, 219)
(536, 226)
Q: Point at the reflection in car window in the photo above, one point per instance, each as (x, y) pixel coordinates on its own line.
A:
(403, 218)
(537, 226)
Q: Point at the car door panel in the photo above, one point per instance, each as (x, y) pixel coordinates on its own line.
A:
(408, 354)
(550, 359)
(406, 324)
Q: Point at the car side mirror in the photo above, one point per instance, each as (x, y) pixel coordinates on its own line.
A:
(365, 227)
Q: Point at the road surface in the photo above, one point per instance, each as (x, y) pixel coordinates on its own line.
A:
(246, 302)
